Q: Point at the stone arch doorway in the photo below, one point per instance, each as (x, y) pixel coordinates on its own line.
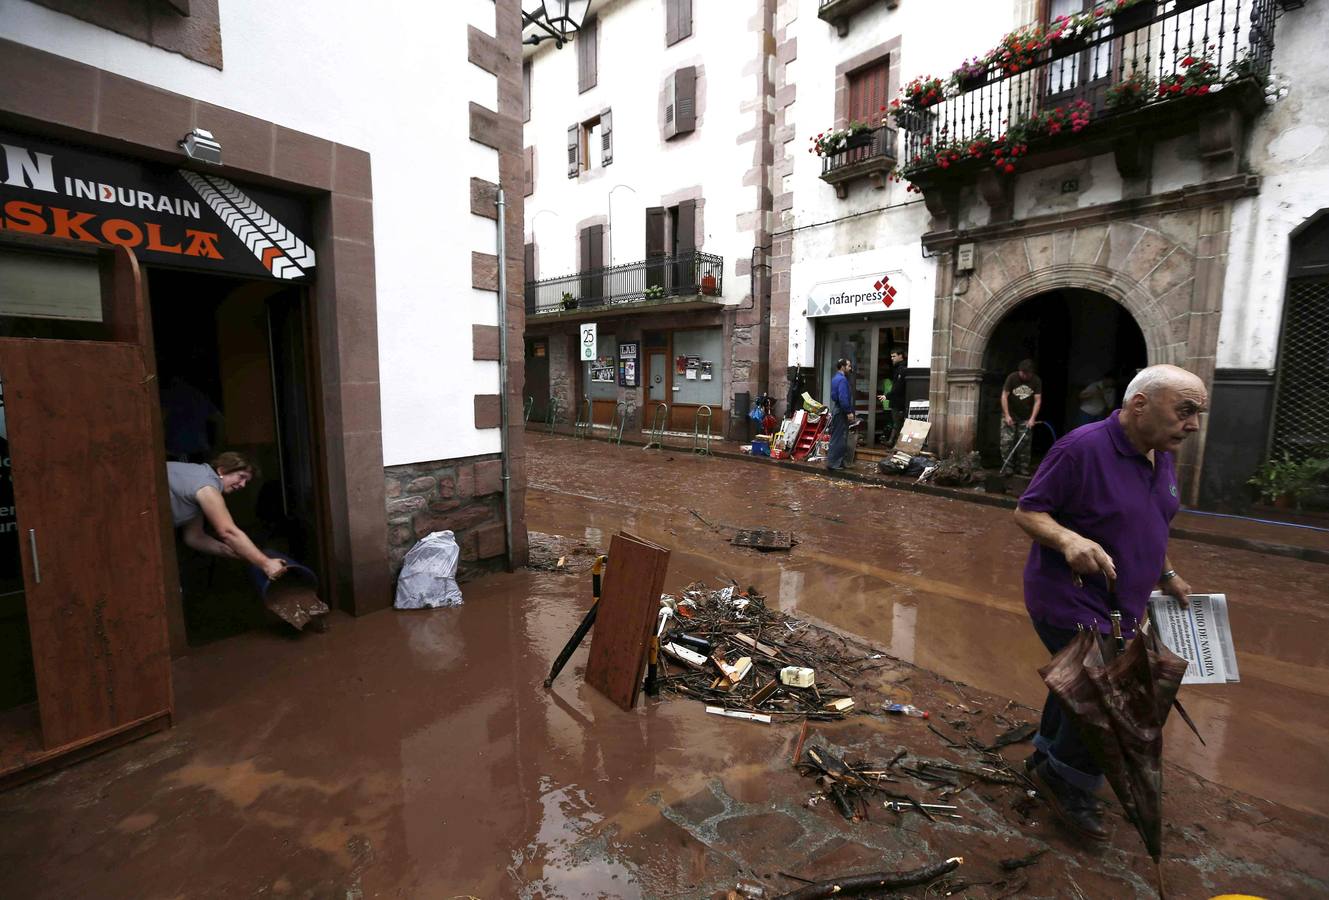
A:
(1074, 336)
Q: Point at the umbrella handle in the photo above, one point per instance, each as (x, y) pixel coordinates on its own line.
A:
(1115, 615)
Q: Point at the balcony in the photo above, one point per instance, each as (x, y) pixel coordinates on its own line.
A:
(1113, 83)
(839, 12)
(691, 280)
(868, 154)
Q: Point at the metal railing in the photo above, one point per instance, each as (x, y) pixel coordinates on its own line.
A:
(879, 143)
(684, 275)
(1149, 45)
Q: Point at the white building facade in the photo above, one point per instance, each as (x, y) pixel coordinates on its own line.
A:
(648, 146)
(1160, 204)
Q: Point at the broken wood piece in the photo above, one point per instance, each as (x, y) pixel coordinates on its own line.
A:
(753, 644)
(739, 714)
(763, 693)
(634, 580)
(876, 881)
(763, 539)
(684, 655)
(840, 704)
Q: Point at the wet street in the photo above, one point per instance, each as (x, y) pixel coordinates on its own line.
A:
(938, 583)
(417, 754)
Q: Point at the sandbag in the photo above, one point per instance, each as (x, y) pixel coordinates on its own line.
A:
(428, 577)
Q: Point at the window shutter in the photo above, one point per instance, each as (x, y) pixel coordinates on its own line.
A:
(678, 20)
(574, 141)
(529, 186)
(606, 137)
(584, 256)
(526, 92)
(530, 261)
(655, 231)
(596, 233)
(587, 67)
(670, 120)
(685, 100)
(687, 226)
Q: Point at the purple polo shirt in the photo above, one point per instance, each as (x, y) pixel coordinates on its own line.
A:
(1099, 486)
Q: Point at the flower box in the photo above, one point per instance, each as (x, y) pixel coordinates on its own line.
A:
(1069, 45)
(972, 81)
(1134, 17)
(861, 139)
(1183, 5)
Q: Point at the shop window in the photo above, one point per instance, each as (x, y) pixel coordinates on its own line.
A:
(587, 53)
(697, 359)
(678, 20)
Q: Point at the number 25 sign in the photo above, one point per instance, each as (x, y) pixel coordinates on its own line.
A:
(588, 342)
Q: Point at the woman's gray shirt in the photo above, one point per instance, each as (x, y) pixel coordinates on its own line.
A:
(185, 481)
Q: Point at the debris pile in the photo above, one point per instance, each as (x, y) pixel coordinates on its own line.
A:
(727, 648)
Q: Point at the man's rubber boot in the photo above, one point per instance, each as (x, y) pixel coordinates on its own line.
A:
(1076, 809)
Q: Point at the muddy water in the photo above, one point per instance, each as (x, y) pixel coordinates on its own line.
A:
(938, 582)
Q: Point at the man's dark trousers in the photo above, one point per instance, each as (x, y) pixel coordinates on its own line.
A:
(897, 423)
(1057, 736)
(839, 441)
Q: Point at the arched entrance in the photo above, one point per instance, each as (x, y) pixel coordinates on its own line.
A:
(1075, 337)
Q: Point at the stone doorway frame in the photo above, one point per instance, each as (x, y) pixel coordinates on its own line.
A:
(1166, 269)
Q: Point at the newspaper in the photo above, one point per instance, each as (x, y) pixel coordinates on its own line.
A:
(1201, 635)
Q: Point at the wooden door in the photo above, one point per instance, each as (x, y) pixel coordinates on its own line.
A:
(79, 417)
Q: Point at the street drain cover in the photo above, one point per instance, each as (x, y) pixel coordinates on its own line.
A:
(761, 539)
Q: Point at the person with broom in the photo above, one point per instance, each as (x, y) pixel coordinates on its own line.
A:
(1098, 511)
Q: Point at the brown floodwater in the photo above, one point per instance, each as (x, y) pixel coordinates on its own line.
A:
(938, 582)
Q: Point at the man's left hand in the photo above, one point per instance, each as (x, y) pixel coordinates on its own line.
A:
(1176, 586)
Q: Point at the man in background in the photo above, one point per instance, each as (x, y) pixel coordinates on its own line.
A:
(895, 399)
(1021, 398)
(842, 413)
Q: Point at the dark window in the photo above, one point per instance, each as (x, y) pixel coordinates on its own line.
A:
(592, 254)
(528, 157)
(678, 20)
(587, 64)
(526, 92)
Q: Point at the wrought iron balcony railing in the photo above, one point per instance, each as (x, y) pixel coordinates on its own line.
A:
(868, 153)
(1150, 53)
(684, 275)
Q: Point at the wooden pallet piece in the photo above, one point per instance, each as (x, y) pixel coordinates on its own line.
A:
(629, 605)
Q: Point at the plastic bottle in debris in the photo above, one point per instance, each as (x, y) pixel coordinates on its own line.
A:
(905, 709)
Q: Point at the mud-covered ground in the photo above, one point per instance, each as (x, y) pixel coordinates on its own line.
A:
(417, 754)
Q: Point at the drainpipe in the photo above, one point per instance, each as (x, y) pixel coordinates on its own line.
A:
(503, 371)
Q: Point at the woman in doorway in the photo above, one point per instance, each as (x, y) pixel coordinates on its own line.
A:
(1096, 401)
(197, 493)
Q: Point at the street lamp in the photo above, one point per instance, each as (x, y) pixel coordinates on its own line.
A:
(562, 22)
(609, 201)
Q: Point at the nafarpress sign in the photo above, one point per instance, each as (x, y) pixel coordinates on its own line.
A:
(880, 292)
(165, 215)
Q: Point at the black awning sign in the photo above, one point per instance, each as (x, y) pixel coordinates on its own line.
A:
(165, 215)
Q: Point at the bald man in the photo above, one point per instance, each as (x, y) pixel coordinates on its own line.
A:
(1098, 511)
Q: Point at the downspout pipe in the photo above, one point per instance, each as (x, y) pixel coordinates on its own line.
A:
(503, 372)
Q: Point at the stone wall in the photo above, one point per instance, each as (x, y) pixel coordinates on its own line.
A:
(464, 496)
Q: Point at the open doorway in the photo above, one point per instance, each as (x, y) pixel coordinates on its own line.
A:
(234, 364)
(1075, 338)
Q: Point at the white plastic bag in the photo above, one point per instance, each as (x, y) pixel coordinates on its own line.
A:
(428, 574)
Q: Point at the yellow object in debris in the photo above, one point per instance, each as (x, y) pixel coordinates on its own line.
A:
(1237, 897)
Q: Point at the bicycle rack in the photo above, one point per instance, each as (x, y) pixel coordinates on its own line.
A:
(555, 408)
(701, 444)
(618, 421)
(583, 427)
(530, 405)
(659, 421)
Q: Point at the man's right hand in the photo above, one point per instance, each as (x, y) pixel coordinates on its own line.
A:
(1087, 558)
(1008, 420)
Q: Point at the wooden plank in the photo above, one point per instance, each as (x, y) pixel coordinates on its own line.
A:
(85, 490)
(629, 605)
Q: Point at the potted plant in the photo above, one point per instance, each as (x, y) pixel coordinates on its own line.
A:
(1135, 89)
(1069, 34)
(708, 284)
(971, 75)
(1195, 77)
(1276, 480)
(654, 292)
(1018, 50)
(569, 301)
(1131, 15)
(922, 92)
